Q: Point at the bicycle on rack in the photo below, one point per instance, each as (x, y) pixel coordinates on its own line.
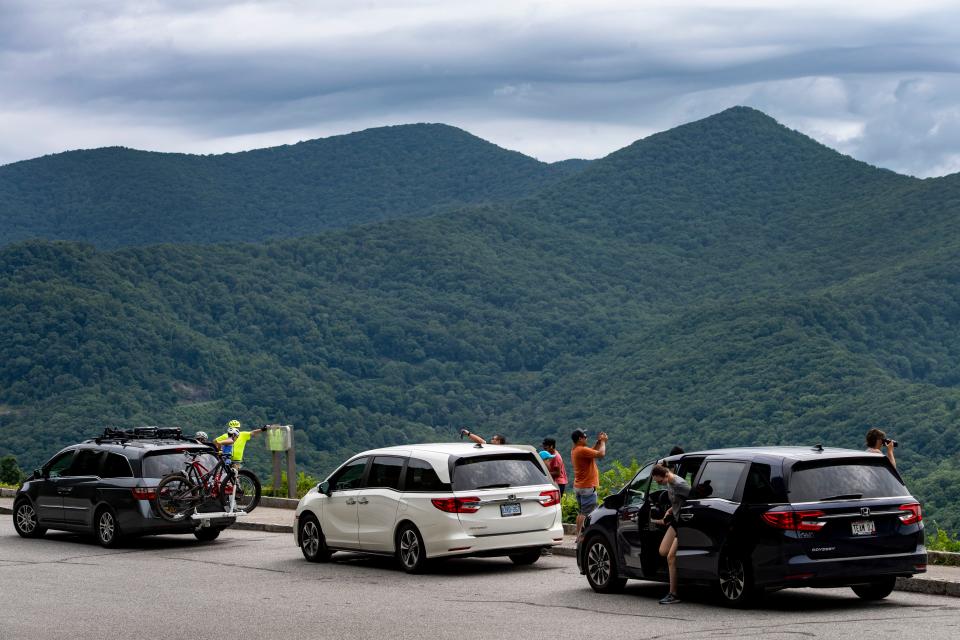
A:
(181, 494)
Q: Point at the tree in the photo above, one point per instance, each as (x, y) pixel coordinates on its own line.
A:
(9, 471)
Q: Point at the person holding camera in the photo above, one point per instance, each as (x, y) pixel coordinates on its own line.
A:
(876, 440)
(586, 474)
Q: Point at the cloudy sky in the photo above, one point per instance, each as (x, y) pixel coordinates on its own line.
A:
(554, 79)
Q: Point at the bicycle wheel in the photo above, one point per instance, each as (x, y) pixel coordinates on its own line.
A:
(247, 488)
(177, 497)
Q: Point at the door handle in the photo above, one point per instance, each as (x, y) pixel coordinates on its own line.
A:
(351, 501)
(64, 490)
(686, 516)
(362, 501)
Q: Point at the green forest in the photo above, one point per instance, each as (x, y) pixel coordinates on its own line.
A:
(727, 282)
(115, 197)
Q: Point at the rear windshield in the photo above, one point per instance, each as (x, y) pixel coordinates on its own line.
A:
(497, 472)
(844, 480)
(158, 465)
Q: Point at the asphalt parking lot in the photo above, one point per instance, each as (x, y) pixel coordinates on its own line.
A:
(256, 585)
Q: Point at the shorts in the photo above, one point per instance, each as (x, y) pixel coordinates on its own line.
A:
(586, 500)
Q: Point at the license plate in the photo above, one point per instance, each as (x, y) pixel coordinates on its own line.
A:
(512, 509)
(863, 527)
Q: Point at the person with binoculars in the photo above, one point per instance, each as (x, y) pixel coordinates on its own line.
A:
(876, 440)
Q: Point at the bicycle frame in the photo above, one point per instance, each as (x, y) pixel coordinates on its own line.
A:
(208, 480)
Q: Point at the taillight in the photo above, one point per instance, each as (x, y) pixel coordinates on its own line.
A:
(914, 513)
(794, 520)
(457, 505)
(550, 498)
(144, 493)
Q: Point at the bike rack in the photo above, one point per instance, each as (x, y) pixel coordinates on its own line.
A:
(218, 514)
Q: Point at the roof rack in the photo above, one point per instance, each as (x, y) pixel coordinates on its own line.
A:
(141, 433)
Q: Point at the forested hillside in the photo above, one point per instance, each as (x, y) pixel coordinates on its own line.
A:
(115, 197)
(726, 282)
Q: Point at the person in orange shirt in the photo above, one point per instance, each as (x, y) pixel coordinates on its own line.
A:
(586, 475)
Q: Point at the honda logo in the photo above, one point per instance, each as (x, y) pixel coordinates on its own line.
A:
(865, 512)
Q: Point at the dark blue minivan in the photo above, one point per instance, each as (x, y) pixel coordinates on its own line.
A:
(762, 519)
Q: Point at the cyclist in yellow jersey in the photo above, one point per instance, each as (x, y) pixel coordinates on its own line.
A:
(231, 444)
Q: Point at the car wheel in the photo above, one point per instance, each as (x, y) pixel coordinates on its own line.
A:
(25, 520)
(410, 550)
(527, 557)
(601, 569)
(207, 534)
(312, 544)
(106, 528)
(735, 581)
(876, 590)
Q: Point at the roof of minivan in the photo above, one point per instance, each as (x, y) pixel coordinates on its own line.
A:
(788, 453)
(450, 448)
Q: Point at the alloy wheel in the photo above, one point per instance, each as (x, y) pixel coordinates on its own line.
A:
(26, 518)
(598, 564)
(409, 548)
(311, 538)
(107, 526)
(732, 578)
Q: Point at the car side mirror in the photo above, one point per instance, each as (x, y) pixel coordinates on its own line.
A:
(37, 474)
(324, 488)
(614, 500)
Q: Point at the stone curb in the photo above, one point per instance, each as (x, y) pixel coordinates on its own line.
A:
(929, 587)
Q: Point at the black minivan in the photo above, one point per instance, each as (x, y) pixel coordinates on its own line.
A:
(762, 519)
(107, 487)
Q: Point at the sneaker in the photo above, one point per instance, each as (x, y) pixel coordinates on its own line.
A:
(669, 599)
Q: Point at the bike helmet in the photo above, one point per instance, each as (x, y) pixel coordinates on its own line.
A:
(234, 424)
(233, 432)
(201, 435)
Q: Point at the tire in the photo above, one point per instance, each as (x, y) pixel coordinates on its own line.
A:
(207, 534)
(312, 543)
(876, 590)
(106, 529)
(734, 584)
(248, 491)
(411, 552)
(26, 521)
(601, 567)
(525, 558)
(177, 497)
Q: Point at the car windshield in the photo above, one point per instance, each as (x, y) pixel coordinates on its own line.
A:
(844, 480)
(164, 463)
(497, 472)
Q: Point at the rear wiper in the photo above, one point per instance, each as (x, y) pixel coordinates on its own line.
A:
(843, 496)
(495, 486)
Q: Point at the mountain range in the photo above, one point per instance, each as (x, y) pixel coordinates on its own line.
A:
(727, 282)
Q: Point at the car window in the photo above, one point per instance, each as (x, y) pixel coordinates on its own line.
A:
(115, 466)
(832, 479)
(349, 477)
(719, 480)
(60, 464)
(687, 469)
(760, 488)
(385, 473)
(638, 487)
(85, 463)
(422, 477)
(499, 471)
(158, 465)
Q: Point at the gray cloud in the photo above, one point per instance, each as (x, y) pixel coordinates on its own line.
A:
(554, 80)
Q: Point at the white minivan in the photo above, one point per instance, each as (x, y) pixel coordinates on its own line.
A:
(427, 501)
